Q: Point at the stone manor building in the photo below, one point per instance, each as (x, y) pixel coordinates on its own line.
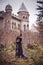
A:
(11, 25)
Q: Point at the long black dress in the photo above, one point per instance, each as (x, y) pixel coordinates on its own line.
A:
(19, 51)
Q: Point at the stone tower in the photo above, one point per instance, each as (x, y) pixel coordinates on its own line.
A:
(8, 8)
(7, 17)
(24, 16)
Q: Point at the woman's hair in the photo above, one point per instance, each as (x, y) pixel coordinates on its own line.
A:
(20, 34)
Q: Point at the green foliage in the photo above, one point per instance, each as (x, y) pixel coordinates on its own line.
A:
(35, 55)
(8, 52)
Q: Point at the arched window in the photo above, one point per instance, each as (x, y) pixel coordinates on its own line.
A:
(23, 17)
(13, 25)
(26, 17)
(24, 27)
(19, 26)
(27, 26)
(7, 24)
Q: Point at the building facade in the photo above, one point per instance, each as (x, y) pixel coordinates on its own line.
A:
(11, 26)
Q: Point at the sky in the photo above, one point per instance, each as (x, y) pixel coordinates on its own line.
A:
(31, 6)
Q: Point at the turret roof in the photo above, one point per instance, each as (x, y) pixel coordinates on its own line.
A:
(23, 8)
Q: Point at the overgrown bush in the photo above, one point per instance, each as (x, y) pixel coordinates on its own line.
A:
(8, 52)
(35, 55)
